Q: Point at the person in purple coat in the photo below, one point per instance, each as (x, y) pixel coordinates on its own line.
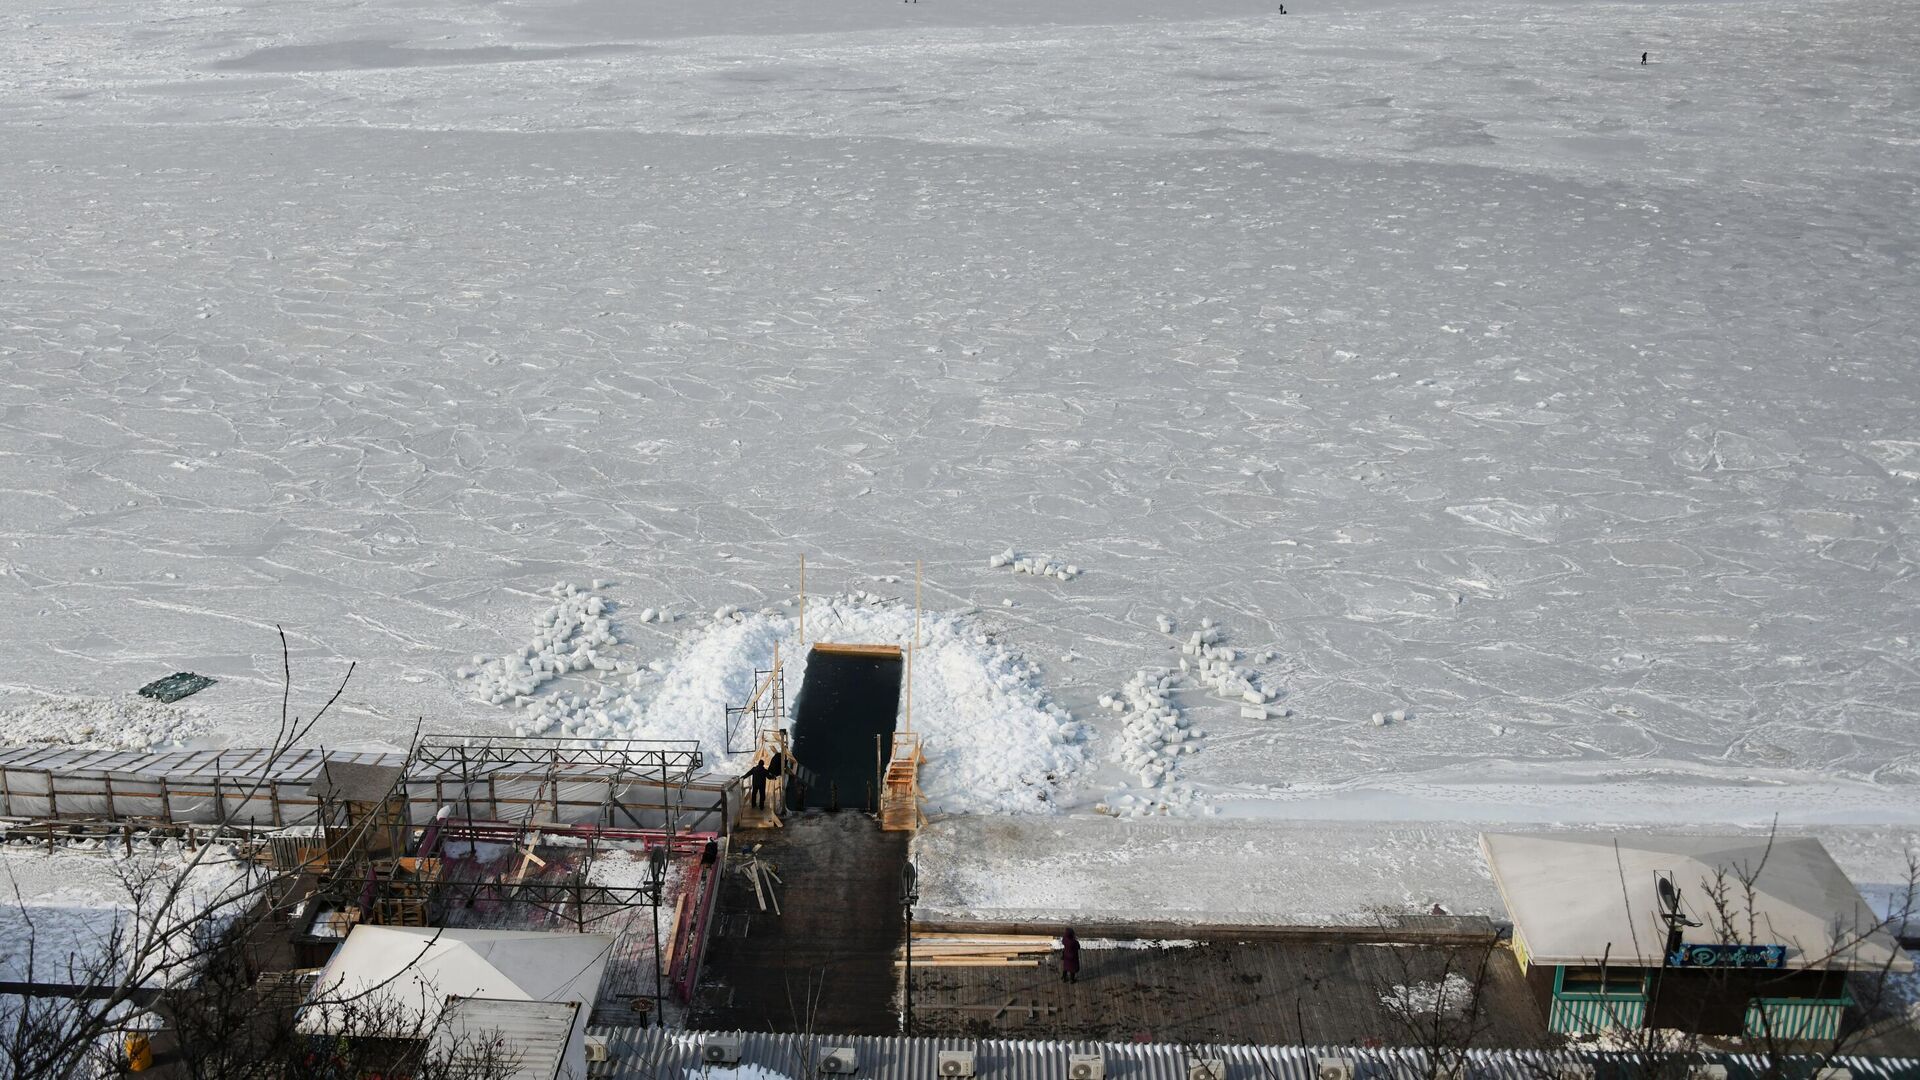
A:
(1069, 957)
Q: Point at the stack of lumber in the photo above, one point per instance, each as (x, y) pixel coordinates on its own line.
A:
(977, 950)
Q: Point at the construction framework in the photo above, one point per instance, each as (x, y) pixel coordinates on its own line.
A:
(610, 783)
(618, 783)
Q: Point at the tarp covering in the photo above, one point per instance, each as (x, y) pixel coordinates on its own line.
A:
(1575, 898)
(405, 975)
(176, 686)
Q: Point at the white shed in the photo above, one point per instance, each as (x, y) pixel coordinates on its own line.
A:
(406, 977)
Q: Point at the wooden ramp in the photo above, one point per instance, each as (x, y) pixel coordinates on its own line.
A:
(823, 962)
(900, 798)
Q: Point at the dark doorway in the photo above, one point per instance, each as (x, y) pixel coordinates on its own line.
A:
(849, 699)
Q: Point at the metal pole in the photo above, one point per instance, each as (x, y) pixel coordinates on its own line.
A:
(909, 894)
(803, 601)
(659, 997)
(909, 979)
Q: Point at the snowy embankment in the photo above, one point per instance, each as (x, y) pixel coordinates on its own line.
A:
(125, 722)
(998, 742)
(63, 912)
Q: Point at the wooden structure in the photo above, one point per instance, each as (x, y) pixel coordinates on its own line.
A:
(1622, 932)
(900, 797)
(609, 783)
(186, 787)
(361, 806)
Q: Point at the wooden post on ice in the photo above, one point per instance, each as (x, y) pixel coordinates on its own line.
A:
(914, 645)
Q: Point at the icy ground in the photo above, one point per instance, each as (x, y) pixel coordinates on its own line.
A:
(1556, 411)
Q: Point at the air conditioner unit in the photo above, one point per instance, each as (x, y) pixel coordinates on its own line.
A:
(1574, 1070)
(1206, 1069)
(720, 1050)
(956, 1062)
(1331, 1068)
(1086, 1067)
(839, 1059)
(1707, 1072)
(1833, 1073)
(597, 1049)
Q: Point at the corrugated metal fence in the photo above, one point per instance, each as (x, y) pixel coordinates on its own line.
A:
(664, 1054)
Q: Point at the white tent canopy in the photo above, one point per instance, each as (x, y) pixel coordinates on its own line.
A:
(1576, 898)
(396, 980)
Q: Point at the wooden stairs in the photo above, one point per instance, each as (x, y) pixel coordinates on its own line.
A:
(900, 798)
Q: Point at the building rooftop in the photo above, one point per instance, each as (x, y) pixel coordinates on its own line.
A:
(1579, 898)
(638, 1053)
(406, 974)
(530, 1037)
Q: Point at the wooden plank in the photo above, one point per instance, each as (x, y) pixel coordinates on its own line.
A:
(1031, 939)
(953, 962)
(877, 651)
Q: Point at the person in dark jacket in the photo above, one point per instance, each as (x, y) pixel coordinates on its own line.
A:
(1069, 957)
(757, 777)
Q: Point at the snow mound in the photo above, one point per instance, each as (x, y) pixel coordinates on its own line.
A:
(99, 723)
(1447, 998)
(995, 741)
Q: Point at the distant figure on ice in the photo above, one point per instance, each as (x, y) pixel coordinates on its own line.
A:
(1283, 9)
(757, 777)
(1069, 957)
(1643, 58)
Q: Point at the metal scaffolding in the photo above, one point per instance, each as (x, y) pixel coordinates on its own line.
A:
(571, 783)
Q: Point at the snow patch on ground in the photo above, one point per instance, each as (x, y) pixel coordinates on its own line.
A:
(1447, 998)
(743, 1071)
(101, 723)
(61, 908)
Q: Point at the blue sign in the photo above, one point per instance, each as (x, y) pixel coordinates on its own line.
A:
(1772, 957)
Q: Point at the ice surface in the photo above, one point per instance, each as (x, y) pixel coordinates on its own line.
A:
(1443, 350)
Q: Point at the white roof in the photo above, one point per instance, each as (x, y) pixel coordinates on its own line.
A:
(530, 1037)
(407, 973)
(1577, 897)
